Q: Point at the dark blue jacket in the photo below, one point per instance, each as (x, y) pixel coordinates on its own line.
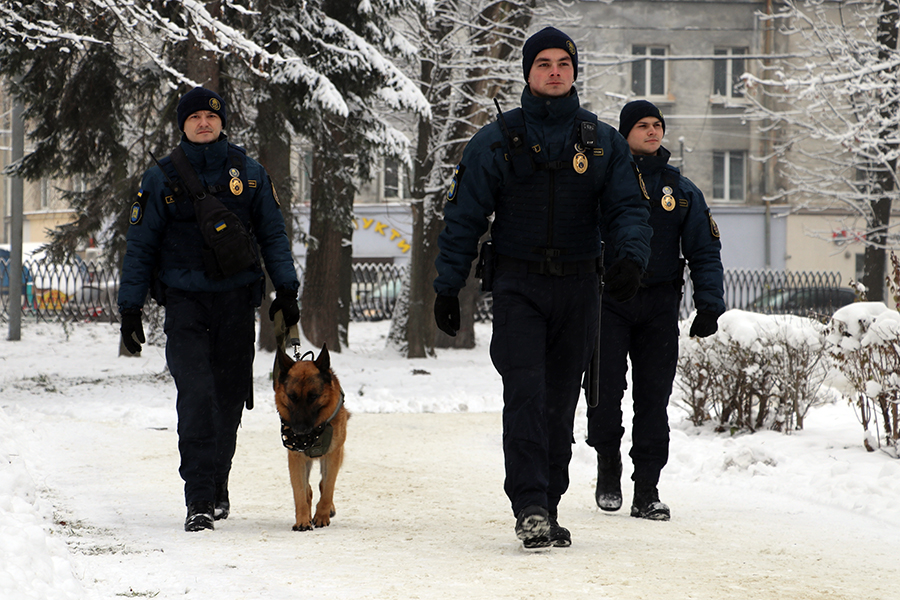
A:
(485, 172)
(160, 237)
(688, 230)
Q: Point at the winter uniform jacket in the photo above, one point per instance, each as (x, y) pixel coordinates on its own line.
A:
(550, 212)
(682, 226)
(164, 234)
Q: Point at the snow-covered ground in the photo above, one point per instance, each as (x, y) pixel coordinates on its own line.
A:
(91, 502)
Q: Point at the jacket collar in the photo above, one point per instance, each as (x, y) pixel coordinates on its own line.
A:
(653, 165)
(206, 157)
(550, 111)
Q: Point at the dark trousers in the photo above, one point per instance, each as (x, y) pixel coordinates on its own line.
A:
(646, 328)
(543, 335)
(209, 350)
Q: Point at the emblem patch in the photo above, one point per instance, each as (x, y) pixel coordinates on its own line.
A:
(214, 104)
(668, 202)
(137, 213)
(458, 171)
(274, 193)
(236, 186)
(234, 172)
(570, 47)
(713, 228)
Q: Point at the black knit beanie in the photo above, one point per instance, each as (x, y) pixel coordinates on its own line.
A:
(200, 99)
(548, 37)
(635, 111)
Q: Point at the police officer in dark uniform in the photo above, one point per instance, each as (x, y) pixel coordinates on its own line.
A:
(210, 308)
(646, 327)
(549, 172)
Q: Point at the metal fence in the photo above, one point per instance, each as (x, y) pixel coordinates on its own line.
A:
(777, 292)
(86, 291)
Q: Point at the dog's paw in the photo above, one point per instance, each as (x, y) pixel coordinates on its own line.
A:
(302, 527)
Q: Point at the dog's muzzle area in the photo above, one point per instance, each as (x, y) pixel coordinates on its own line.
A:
(301, 442)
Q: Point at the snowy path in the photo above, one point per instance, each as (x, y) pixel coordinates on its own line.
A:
(421, 510)
(421, 514)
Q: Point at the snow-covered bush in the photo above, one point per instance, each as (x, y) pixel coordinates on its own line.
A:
(864, 342)
(758, 371)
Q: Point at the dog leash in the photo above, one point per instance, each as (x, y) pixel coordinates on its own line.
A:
(282, 333)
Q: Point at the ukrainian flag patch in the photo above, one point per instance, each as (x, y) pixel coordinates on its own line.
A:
(220, 226)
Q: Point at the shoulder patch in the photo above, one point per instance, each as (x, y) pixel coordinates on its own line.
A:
(454, 185)
(274, 195)
(713, 228)
(137, 214)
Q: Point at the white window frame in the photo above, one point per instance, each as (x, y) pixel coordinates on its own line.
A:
(650, 51)
(722, 183)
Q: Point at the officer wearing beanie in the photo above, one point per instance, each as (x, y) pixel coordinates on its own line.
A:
(210, 315)
(549, 173)
(646, 326)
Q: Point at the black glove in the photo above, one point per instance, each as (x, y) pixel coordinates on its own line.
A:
(705, 324)
(446, 314)
(132, 330)
(286, 302)
(623, 279)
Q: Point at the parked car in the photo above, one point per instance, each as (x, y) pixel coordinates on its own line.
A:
(802, 301)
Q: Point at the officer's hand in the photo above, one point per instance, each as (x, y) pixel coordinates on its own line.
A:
(623, 279)
(705, 324)
(446, 314)
(132, 330)
(286, 302)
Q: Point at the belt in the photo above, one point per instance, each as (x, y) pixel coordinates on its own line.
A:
(547, 267)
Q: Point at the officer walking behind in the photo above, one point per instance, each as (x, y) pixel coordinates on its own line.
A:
(646, 327)
(195, 226)
(548, 172)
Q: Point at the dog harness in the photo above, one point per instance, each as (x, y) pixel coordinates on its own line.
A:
(315, 443)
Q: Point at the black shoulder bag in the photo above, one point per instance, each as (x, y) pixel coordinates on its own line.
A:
(228, 248)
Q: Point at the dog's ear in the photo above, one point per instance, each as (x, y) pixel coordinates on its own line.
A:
(284, 363)
(324, 361)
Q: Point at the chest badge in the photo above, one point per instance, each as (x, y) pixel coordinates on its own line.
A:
(234, 172)
(580, 163)
(236, 186)
(668, 202)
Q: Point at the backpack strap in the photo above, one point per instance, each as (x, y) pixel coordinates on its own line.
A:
(187, 174)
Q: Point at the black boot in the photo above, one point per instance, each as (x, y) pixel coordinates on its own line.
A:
(609, 482)
(646, 503)
(199, 516)
(222, 506)
(533, 527)
(559, 536)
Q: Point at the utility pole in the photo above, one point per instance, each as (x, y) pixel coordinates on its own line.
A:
(15, 234)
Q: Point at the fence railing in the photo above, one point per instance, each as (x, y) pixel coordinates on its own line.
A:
(87, 290)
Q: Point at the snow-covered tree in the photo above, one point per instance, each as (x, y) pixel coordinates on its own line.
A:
(833, 111)
(466, 58)
(100, 81)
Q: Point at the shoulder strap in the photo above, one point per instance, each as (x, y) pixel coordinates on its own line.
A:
(187, 174)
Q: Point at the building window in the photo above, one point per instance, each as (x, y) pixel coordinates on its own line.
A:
(392, 179)
(727, 72)
(648, 77)
(729, 175)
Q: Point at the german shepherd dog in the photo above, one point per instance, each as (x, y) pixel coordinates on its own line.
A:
(310, 403)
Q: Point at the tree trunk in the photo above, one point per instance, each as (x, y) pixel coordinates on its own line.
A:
(875, 257)
(275, 156)
(327, 259)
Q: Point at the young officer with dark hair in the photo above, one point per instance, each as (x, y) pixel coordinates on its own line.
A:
(646, 326)
(549, 172)
(210, 289)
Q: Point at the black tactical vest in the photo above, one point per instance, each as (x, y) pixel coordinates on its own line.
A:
(182, 243)
(548, 211)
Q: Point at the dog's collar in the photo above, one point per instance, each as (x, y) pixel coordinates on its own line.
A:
(315, 443)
